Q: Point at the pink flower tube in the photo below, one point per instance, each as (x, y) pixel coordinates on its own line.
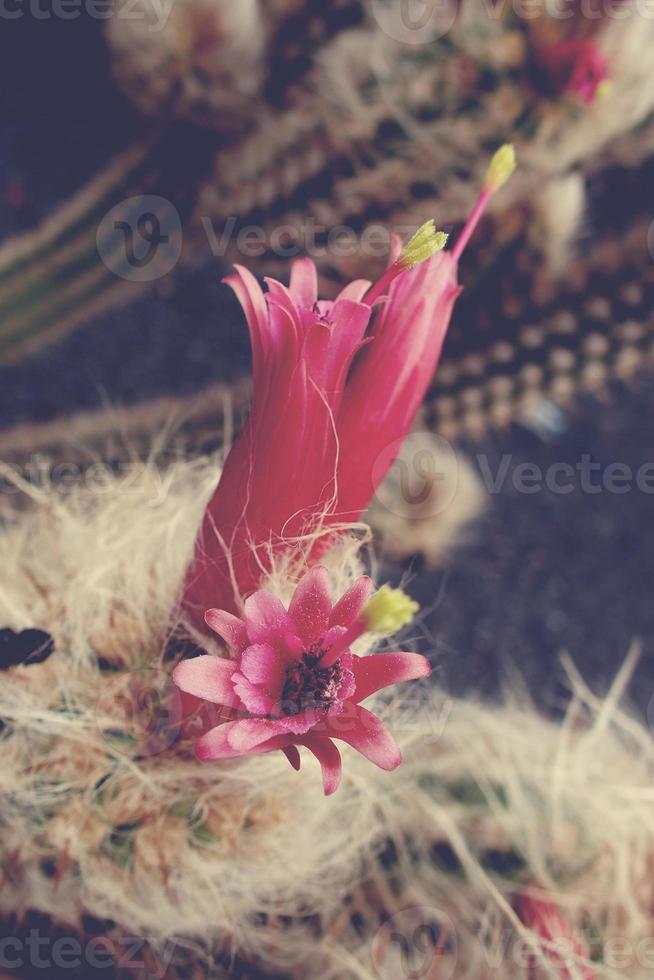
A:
(548, 921)
(575, 66)
(334, 384)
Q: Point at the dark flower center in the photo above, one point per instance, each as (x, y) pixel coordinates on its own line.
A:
(308, 685)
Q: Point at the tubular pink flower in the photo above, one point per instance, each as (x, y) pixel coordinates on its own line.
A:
(575, 66)
(281, 689)
(548, 921)
(334, 385)
(392, 374)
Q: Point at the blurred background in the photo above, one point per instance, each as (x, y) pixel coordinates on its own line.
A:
(145, 145)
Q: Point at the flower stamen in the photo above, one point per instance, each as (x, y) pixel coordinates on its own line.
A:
(311, 686)
(420, 247)
(386, 613)
(499, 170)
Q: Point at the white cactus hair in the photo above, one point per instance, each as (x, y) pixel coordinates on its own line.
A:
(161, 65)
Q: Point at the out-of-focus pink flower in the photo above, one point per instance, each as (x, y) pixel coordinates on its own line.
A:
(574, 66)
(334, 384)
(293, 680)
(545, 919)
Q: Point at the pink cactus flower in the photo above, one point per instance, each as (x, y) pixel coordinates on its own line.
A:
(334, 384)
(293, 680)
(548, 921)
(575, 66)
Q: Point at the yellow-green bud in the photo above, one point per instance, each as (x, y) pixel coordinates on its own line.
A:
(500, 168)
(604, 90)
(388, 611)
(425, 243)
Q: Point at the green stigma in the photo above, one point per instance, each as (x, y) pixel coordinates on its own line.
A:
(604, 90)
(388, 611)
(500, 168)
(425, 243)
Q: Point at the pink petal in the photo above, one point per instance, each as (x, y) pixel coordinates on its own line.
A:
(355, 290)
(316, 347)
(261, 664)
(285, 324)
(324, 308)
(293, 646)
(388, 381)
(542, 916)
(348, 685)
(266, 619)
(217, 744)
(254, 698)
(333, 638)
(311, 605)
(214, 744)
(298, 724)
(349, 322)
(329, 758)
(379, 670)
(198, 716)
(229, 627)
(250, 734)
(364, 732)
(209, 678)
(304, 282)
(333, 634)
(234, 738)
(348, 608)
(293, 756)
(251, 298)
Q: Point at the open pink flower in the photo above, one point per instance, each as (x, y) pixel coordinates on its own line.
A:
(294, 680)
(334, 385)
(574, 66)
(548, 921)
